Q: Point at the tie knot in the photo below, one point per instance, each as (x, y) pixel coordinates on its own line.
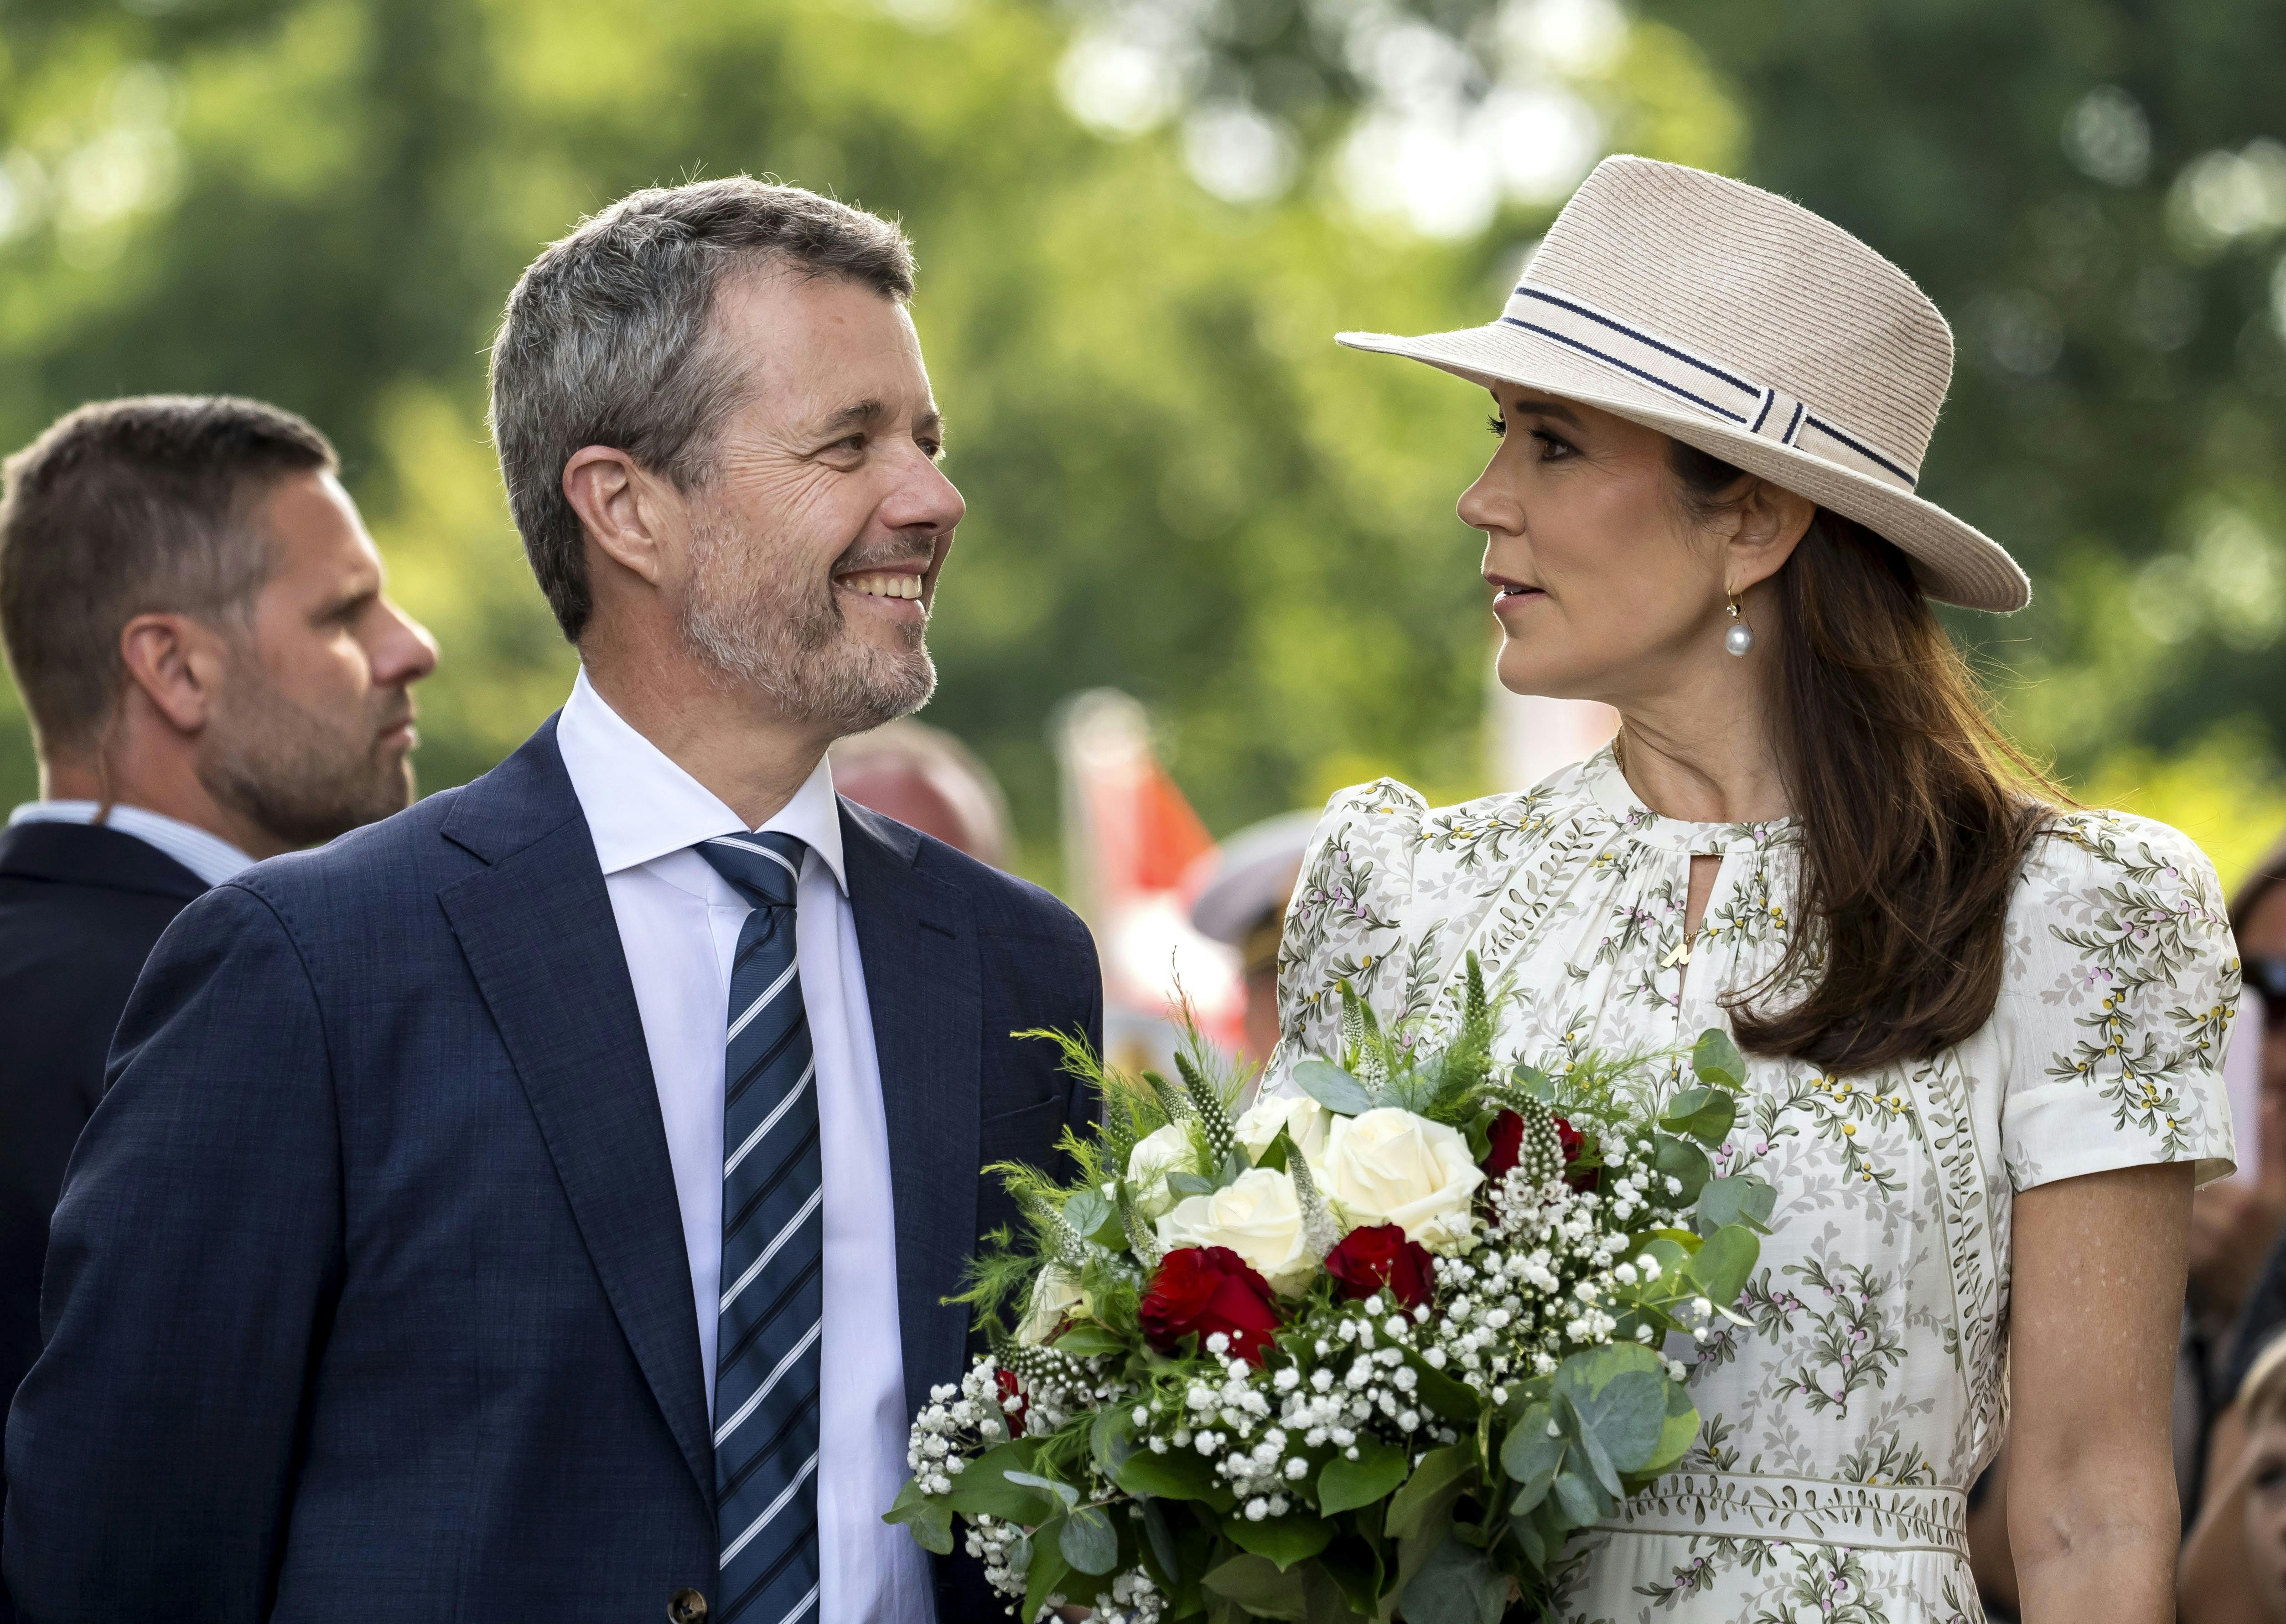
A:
(763, 867)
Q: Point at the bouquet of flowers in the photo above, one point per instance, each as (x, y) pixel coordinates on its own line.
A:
(1372, 1353)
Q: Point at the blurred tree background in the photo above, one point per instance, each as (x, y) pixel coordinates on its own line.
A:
(1139, 222)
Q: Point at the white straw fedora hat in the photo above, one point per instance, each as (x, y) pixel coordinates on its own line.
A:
(1747, 326)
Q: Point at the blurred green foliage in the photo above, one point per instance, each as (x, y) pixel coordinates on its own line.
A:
(1176, 485)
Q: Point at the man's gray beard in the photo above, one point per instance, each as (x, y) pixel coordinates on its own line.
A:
(765, 621)
(293, 775)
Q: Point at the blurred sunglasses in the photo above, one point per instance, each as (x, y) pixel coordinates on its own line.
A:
(2266, 975)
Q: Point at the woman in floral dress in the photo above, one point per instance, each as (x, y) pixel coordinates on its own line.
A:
(1985, 1031)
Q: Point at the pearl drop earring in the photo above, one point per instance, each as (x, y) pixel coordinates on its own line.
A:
(1739, 639)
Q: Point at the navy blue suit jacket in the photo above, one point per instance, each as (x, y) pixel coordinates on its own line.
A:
(366, 1296)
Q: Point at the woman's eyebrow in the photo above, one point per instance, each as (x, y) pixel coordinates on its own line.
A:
(1556, 409)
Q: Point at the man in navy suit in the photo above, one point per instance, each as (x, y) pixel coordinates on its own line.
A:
(195, 619)
(539, 1205)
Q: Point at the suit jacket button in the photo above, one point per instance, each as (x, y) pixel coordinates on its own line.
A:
(686, 1606)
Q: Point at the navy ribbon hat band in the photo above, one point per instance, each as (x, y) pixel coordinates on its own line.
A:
(1693, 380)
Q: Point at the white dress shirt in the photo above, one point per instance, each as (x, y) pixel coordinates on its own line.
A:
(679, 923)
(210, 856)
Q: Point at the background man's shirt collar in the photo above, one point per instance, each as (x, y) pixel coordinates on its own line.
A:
(642, 807)
(206, 855)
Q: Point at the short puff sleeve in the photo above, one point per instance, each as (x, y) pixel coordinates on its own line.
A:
(1357, 875)
(2118, 995)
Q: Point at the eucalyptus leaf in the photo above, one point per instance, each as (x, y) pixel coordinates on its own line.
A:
(1577, 1499)
(1087, 1540)
(1087, 1212)
(1676, 1433)
(928, 1517)
(1527, 1535)
(985, 1488)
(1064, 1492)
(1345, 1484)
(1600, 1465)
(1717, 1060)
(1683, 1162)
(1235, 1167)
(1740, 1199)
(1626, 1417)
(1459, 1584)
(1529, 1450)
(1702, 1114)
(1191, 1184)
(1332, 1087)
(1721, 1267)
(1535, 1082)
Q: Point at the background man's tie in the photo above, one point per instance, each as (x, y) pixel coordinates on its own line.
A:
(765, 1359)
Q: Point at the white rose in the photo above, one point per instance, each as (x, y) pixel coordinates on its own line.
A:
(1055, 1294)
(1304, 1120)
(1258, 1217)
(1163, 1151)
(1388, 1166)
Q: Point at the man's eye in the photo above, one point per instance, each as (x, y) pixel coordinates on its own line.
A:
(931, 449)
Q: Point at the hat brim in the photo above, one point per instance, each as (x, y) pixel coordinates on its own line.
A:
(1956, 562)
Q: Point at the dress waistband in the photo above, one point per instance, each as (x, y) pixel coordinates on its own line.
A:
(1808, 1510)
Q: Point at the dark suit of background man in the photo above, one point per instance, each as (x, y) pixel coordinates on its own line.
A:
(539, 1206)
(193, 616)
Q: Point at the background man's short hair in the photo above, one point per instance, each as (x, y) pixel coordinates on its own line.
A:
(123, 508)
(603, 342)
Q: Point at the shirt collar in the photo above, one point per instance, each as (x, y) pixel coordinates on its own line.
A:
(640, 806)
(204, 853)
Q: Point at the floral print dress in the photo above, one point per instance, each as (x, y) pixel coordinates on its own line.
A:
(1843, 1427)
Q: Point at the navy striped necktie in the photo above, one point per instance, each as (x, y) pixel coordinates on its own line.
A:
(766, 1358)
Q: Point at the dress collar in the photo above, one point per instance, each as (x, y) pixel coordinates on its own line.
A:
(1609, 788)
(640, 806)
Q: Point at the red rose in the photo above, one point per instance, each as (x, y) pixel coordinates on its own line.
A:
(1201, 1289)
(1380, 1258)
(1007, 1380)
(1571, 1142)
(1507, 1133)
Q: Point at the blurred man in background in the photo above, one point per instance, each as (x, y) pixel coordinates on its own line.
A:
(928, 780)
(195, 617)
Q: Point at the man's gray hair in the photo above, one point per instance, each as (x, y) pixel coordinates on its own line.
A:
(605, 343)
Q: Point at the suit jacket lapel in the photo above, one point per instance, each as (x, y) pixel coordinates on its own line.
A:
(537, 928)
(922, 983)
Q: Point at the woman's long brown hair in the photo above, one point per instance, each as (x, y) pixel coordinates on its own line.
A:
(1915, 814)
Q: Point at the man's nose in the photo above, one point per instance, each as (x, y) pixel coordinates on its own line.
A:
(925, 500)
(405, 652)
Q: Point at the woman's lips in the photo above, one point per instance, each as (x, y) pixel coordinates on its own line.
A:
(1511, 597)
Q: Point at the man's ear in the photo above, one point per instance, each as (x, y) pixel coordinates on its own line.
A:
(620, 506)
(176, 662)
(1771, 523)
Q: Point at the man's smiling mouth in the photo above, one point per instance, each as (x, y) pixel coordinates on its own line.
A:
(885, 584)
